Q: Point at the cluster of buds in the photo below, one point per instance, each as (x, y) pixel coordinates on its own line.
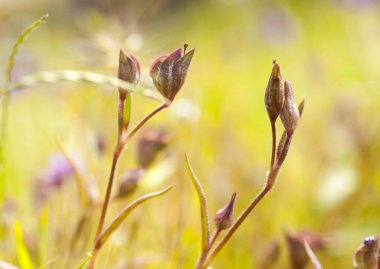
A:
(168, 72)
(279, 102)
(367, 255)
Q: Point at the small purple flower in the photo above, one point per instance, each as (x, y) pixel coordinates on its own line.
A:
(57, 171)
(169, 72)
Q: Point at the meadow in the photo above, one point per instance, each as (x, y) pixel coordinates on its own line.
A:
(123, 121)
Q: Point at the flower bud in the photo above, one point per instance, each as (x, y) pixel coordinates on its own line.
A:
(129, 182)
(289, 113)
(274, 93)
(225, 217)
(295, 244)
(149, 145)
(169, 72)
(129, 68)
(367, 255)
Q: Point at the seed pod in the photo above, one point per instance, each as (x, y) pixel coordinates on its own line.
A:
(274, 93)
(225, 216)
(129, 182)
(169, 72)
(367, 255)
(129, 68)
(289, 113)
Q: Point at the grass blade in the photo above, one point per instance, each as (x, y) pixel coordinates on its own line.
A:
(123, 214)
(23, 256)
(83, 76)
(203, 204)
(24, 35)
(84, 263)
(313, 258)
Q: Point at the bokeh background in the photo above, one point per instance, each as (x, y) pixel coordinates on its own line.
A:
(330, 182)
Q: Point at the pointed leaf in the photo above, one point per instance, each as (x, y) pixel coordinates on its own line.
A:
(123, 214)
(203, 205)
(313, 258)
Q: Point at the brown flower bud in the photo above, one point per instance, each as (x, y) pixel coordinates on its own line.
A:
(289, 113)
(297, 252)
(129, 182)
(129, 68)
(225, 217)
(367, 255)
(149, 145)
(274, 93)
(169, 72)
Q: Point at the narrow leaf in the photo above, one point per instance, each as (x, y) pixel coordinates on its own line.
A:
(23, 256)
(313, 258)
(123, 214)
(203, 205)
(82, 76)
(23, 36)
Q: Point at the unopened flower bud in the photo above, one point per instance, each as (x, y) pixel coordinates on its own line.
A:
(274, 93)
(224, 218)
(149, 145)
(367, 255)
(289, 113)
(129, 182)
(129, 68)
(169, 72)
(297, 252)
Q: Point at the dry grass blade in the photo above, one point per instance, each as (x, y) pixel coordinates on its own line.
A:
(83, 76)
(203, 204)
(313, 258)
(123, 214)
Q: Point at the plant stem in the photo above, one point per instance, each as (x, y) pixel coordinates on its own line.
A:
(117, 152)
(271, 179)
(273, 125)
(143, 121)
(121, 143)
(122, 98)
(214, 237)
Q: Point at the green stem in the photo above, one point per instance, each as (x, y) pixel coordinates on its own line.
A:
(273, 125)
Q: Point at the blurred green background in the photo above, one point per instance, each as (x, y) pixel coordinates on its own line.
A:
(330, 182)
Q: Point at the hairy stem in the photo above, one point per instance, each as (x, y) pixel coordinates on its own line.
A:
(214, 237)
(271, 179)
